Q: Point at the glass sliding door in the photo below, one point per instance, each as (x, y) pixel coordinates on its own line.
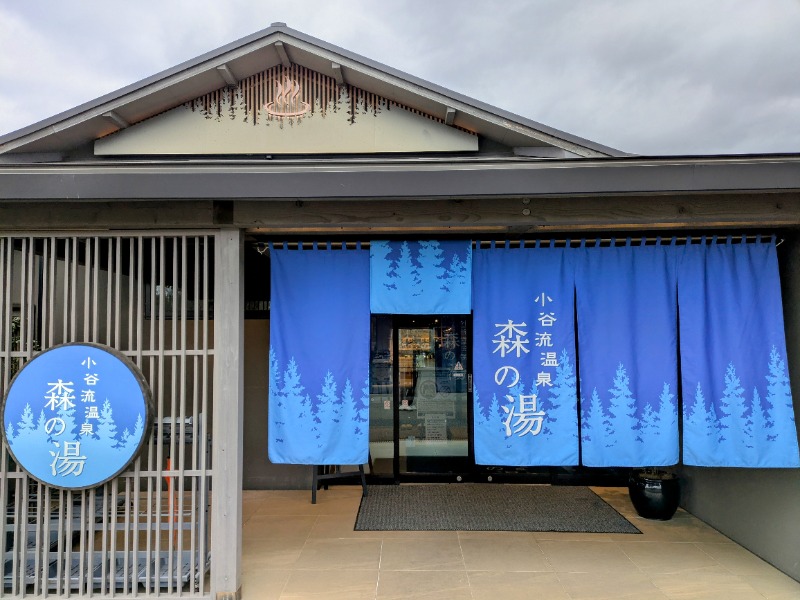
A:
(424, 378)
(381, 397)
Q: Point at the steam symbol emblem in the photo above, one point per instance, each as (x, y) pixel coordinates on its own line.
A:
(287, 102)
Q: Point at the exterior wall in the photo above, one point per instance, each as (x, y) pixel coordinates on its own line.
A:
(259, 473)
(759, 509)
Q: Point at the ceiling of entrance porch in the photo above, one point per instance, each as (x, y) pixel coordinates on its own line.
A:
(279, 45)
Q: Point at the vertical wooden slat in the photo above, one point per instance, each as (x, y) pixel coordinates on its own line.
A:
(196, 325)
(113, 335)
(246, 100)
(134, 310)
(22, 333)
(5, 303)
(86, 499)
(182, 405)
(118, 297)
(174, 425)
(152, 449)
(205, 541)
(4, 359)
(8, 253)
(196, 440)
(89, 528)
(110, 297)
(7, 484)
(48, 504)
(73, 305)
(130, 533)
(61, 536)
(44, 311)
(254, 106)
(44, 493)
(51, 298)
(95, 291)
(33, 281)
(258, 96)
(106, 539)
(86, 300)
(39, 544)
(19, 533)
(18, 537)
(307, 89)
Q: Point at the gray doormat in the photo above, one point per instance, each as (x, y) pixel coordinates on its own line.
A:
(488, 507)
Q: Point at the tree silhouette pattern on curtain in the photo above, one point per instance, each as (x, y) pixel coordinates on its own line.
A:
(319, 357)
(737, 406)
(627, 325)
(421, 277)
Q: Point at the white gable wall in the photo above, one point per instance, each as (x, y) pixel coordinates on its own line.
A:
(186, 131)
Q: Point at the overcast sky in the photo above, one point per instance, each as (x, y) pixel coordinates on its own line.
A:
(644, 76)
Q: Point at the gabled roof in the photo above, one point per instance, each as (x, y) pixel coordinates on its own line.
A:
(276, 45)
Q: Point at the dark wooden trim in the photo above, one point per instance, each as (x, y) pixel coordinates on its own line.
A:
(498, 216)
(521, 216)
(56, 216)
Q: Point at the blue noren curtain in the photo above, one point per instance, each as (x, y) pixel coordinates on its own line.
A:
(319, 357)
(525, 401)
(737, 407)
(627, 325)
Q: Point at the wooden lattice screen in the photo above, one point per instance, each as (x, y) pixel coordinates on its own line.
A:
(148, 296)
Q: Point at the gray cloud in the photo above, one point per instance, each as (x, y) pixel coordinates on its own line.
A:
(683, 77)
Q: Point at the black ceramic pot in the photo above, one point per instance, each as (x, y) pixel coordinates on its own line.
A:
(654, 495)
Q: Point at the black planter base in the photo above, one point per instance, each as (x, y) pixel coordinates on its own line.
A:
(654, 496)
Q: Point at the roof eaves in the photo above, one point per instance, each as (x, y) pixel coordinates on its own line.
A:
(512, 119)
(110, 101)
(434, 179)
(280, 32)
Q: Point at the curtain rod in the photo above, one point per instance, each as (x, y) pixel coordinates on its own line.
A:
(634, 241)
(263, 247)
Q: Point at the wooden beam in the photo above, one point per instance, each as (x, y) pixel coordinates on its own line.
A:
(514, 215)
(58, 216)
(227, 76)
(116, 119)
(337, 73)
(281, 50)
(466, 216)
(449, 116)
(227, 416)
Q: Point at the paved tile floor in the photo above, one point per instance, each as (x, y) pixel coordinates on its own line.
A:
(293, 549)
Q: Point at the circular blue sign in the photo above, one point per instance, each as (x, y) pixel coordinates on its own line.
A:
(77, 415)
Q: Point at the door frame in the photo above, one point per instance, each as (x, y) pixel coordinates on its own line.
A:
(470, 471)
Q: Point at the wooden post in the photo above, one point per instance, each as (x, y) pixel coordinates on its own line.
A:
(227, 416)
